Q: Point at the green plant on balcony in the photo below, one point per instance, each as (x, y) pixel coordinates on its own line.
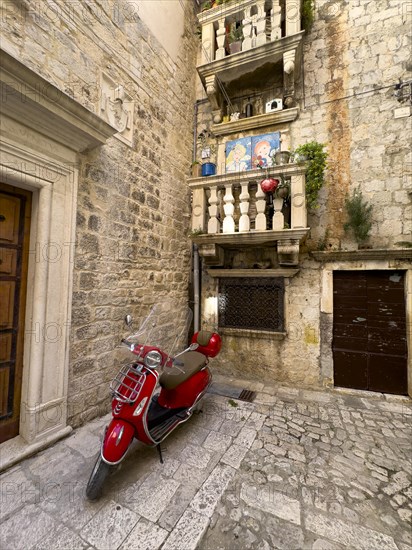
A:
(195, 232)
(308, 14)
(315, 157)
(235, 38)
(236, 33)
(212, 4)
(282, 191)
(359, 213)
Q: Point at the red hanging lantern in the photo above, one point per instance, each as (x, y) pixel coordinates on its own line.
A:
(269, 184)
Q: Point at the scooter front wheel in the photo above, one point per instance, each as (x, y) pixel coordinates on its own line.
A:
(97, 478)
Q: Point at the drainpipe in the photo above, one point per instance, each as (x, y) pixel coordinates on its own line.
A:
(196, 271)
(196, 288)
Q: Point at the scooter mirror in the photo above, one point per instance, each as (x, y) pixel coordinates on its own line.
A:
(193, 346)
(128, 320)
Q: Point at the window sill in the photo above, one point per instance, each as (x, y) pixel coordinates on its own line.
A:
(252, 333)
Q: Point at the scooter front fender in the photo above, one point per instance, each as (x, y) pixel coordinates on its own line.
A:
(117, 439)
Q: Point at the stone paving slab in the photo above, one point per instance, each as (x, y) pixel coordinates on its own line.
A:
(295, 469)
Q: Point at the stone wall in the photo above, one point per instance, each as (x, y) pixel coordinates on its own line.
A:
(354, 55)
(352, 58)
(133, 203)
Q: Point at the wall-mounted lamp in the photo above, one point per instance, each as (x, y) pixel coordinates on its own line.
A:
(403, 91)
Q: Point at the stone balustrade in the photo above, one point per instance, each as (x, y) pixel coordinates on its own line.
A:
(258, 22)
(235, 203)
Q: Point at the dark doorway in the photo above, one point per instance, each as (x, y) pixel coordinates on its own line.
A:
(369, 331)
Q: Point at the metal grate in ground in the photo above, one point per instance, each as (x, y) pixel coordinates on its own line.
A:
(233, 393)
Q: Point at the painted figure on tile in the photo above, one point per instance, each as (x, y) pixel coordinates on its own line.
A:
(261, 154)
(238, 155)
(263, 147)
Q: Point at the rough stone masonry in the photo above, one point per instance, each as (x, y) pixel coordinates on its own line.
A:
(132, 202)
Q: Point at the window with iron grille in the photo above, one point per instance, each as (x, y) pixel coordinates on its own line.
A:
(254, 303)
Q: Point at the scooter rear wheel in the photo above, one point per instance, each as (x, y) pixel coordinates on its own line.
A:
(97, 478)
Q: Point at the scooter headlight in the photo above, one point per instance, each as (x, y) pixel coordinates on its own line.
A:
(153, 359)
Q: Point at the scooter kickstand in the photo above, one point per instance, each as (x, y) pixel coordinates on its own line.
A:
(159, 450)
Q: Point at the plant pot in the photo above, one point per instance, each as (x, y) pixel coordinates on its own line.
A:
(282, 157)
(208, 169)
(196, 170)
(235, 47)
(282, 192)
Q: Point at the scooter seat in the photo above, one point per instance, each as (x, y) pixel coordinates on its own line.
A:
(189, 362)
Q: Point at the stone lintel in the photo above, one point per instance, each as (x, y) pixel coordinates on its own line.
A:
(31, 99)
(258, 121)
(363, 254)
(286, 272)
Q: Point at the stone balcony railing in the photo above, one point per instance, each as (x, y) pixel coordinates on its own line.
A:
(271, 32)
(261, 21)
(231, 209)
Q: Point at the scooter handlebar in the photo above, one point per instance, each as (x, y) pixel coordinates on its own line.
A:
(127, 344)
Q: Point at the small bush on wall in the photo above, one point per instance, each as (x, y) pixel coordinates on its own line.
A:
(359, 213)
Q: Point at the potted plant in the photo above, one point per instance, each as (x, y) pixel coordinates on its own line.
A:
(314, 155)
(283, 189)
(235, 38)
(359, 213)
(281, 157)
(208, 153)
(208, 166)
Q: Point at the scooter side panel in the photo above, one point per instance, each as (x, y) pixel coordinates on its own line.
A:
(186, 393)
(116, 441)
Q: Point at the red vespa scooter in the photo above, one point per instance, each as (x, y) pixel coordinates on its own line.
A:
(156, 392)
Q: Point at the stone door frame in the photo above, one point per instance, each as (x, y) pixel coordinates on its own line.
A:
(43, 132)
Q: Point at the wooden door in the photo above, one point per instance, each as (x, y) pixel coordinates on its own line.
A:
(15, 207)
(369, 331)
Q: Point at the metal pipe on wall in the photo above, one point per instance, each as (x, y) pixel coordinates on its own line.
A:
(196, 288)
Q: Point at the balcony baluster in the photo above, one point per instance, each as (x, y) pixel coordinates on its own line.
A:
(244, 221)
(229, 208)
(213, 225)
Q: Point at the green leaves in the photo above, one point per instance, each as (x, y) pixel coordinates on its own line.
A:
(359, 216)
(315, 156)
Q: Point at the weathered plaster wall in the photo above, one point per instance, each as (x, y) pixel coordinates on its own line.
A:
(133, 203)
(353, 57)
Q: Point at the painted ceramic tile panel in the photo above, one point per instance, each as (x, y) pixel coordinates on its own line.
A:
(238, 155)
(263, 147)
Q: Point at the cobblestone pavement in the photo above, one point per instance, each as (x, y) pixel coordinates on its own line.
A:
(295, 469)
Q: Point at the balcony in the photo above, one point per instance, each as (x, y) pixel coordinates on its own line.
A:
(230, 212)
(271, 36)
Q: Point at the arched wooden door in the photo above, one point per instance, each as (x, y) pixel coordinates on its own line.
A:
(15, 209)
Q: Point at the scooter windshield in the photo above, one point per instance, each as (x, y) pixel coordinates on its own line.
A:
(166, 327)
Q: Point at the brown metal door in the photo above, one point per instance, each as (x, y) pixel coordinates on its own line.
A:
(369, 331)
(15, 206)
